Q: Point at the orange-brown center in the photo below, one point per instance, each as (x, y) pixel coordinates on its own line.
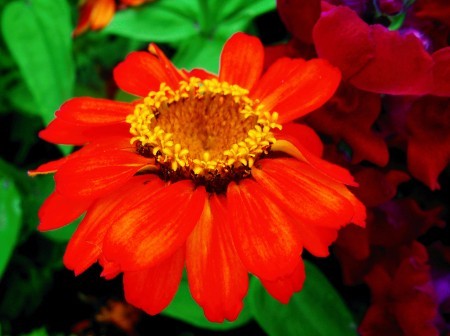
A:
(204, 128)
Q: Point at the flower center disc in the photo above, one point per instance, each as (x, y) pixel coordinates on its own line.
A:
(205, 130)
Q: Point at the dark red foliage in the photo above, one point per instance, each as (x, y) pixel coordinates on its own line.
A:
(299, 17)
(371, 57)
(438, 10)
(391, 110)
(403, 298)
(349, 116)
(428, 127)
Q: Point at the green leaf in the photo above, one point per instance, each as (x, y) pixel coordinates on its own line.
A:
(161, 21)
(184, 308)
(10, 219)
(124, 96)
(225, 30)
(237, 15)
(29, 276)
(63, 234)
(228, 9)
(9, 76)
(252, 9)
(396, 21)
(33, 191)
(316, 310)
(39, 188)
(37, 332)
(199, 52)
(221, 20)
(21, 97)
(39, 36)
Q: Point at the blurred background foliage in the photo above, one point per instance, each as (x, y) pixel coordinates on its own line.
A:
(41, 66)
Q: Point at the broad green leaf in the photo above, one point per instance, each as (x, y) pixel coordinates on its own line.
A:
(38, 34)
(9, 76)
(238, 9)
(10, 219)
(222, 20)
(63, 234)
(40, 187)
(124, 96)
(27, 285)
(237, 15)
(225, 30)
(21, 97)
(37, 332)
(199, 52)
(252, 9)
(316, 310)
(184, 308)
(34, 191)
(98, 52)
(161, 21)
(232, 8)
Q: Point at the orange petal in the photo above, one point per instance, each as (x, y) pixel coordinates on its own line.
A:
(140, 73)
(299, 172)
(85, 246)
(173, 74)
(99, 146)
(110, 269)
(298, 151)
(152, 289)
(217, 279)
(62, 132)
(149, 229)
(48, 168)
(242, 60)
(199, 73)
(302, 135)
(266, 238)
(296, 87)
(58, 210)
(112, 130)
(102, 13)
(283, 288)
(133, 2)
(94, 111)
(275, 76)
(94, 175)
(321, 206)
(84, 17)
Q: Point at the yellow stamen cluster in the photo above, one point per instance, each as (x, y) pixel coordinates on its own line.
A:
(203, 126)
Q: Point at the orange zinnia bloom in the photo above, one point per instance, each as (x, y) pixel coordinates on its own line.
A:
(201, 171)
(96, 14)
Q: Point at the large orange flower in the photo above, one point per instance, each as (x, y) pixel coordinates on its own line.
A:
(201, 171)
(96, 14)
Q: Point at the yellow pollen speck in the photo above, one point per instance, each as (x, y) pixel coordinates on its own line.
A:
(203, 126)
